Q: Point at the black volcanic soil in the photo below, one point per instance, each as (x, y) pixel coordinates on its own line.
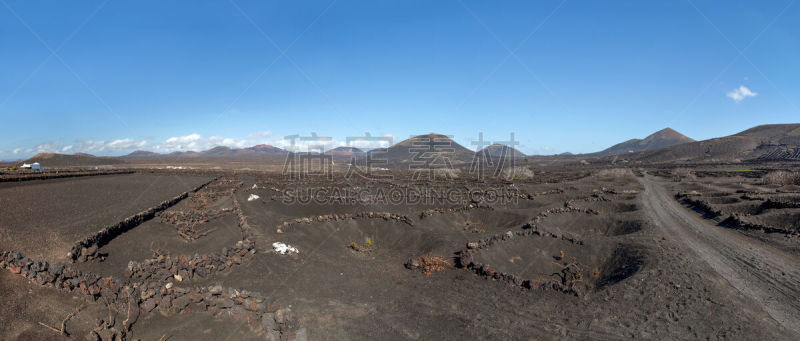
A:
(59, 212)
(25, 305)
(140, 243)
(637, 280)
(753, 200)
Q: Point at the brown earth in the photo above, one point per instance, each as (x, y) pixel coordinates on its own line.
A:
(576, 255)
(57, 213)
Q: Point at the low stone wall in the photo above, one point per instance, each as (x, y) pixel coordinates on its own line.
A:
(189, 267)
(734, 220)
(346, 216)
(435, 211)
(769, 203)
(699, 204)
(159, 288)
(156, 283)
(86, 249)
(569, 276)
(566, 284)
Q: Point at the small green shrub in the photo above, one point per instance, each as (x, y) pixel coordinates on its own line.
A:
(367, 247)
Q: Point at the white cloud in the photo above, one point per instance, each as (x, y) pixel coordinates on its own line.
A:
(196, 142)
(125, 144)
(181, 143)
(184, 139)
(214, 141)
(368, 142)
(47, 147)
(741, 93)
(260, 134)
(120, 146)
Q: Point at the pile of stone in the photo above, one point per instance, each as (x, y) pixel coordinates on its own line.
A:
(435, 211)
(192, 217)
(466, 260)
(532, 196)
(187, 223)
(157, 289)
(770, 203)
(345, 216)
(699, 204)
(568, 208)
(614, 192)
(185, 268)
(217, 190)
(569, 204)
(734, 220)
(86, 249)
(749, 196)
(154, 283)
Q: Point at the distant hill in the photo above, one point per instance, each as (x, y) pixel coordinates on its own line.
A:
(431, 150)
(266, 149)
(219, 151)
(346, 151)
(141, 154)
(764, 142)
(47, 160)
(216, 152)
(662, 138)
(501, 150)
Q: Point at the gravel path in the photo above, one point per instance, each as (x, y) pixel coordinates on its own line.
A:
(767, 275)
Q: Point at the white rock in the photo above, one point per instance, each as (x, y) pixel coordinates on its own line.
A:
(252, 197)
(283, 248)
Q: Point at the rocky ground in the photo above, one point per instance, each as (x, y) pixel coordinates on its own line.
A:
(567, 255)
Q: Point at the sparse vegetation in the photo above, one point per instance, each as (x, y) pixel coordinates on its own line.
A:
(430, 264)
(517, 173)
(469, 226)
(782, 178)
(614, 172)
(683, 173)
(367, 247)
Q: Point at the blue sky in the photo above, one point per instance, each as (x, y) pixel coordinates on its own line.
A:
(108, 77)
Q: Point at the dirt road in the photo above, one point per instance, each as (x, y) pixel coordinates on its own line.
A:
(769, 276)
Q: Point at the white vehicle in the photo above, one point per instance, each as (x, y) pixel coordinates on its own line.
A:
(34, 165)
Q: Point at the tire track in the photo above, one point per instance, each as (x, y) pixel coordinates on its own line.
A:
(770, 277)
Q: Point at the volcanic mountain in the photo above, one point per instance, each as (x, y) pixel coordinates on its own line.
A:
(764, 142)
(75, 160)
(428, 151)
(346, 151)
(662, 138)
(501, 150)
(141, 154)
(219, 151)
